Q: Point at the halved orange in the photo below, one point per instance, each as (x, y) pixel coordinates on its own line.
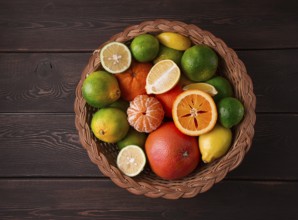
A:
(194, 112)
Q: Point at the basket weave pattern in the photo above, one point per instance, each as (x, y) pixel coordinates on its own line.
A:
(104, 155)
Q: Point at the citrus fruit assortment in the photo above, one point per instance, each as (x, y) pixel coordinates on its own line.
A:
(164, 102)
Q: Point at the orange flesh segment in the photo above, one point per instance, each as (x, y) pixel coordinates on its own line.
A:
(194, 112)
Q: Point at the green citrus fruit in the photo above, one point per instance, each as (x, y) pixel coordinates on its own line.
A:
(199, 63)
(166, 53)
(223, 87)
(230, 111)
(100, 89)
(121, 104)
(133, 137)
(215, 143)
(144, 47)
(109, 124)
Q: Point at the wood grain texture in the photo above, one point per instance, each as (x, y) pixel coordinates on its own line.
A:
(46, 82)
(101, 199)
(47, 145)
(81, 25)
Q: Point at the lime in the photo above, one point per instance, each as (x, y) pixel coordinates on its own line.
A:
(223, 87)
(121, 104)
(215, 143)
(109, 124)
(131, 160)
(174, 40)
(230, 111)
(166, 53)
(100, 89)
(115, 57)
(144, 47)
(205, 87)
(199, 63)
(162, 77)
(133, 137)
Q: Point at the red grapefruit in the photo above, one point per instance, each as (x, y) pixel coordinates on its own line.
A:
(171, 154)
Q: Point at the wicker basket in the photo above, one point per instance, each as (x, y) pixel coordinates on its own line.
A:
(204, 177)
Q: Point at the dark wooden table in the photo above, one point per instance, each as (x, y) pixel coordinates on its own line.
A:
(44, 171)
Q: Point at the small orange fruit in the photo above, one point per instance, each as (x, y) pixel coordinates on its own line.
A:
(145, 113)
(167, 99)
(171, 154)
(194, 112)
(132, 82)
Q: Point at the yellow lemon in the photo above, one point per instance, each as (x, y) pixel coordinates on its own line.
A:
(215, 143)
(174, 40)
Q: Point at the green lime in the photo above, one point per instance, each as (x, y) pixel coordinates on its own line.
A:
(199, 63)
(223, 87)
(215, 143)
(133, 137)
(109, 124)
(166, 53)
(121, 104)
(231, 111)
(100, 89)
(144, 48)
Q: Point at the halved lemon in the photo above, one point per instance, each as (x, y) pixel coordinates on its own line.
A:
(194, 112)
(115, 57)
(131, 160)
(205, 87)
(162, 77)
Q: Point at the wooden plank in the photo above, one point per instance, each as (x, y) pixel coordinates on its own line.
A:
(101, 199)
(41, 145)
(46, 82)
(84, 25)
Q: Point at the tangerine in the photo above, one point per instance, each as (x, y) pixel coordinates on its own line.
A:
(171, 154)
(132, 82)
(145, 113)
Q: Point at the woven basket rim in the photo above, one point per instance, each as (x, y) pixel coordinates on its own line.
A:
(205, 178)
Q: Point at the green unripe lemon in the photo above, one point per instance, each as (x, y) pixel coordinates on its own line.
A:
(109, 124)
(144, 48)
(100, 89)
(231, 111)
(199, 63)
(133, 137)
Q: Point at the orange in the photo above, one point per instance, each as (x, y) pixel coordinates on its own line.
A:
(167, 99)
(133, 81)
(171, 154)
(145, 113)
(194, 112)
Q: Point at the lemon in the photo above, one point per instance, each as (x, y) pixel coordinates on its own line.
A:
(100, 89)
(231, 111)
(133, 137)
(205, 87)
(162, 77)
(121, 104)
(215, 143)
(109, 124)
(131, 160)
(174, 40)
(223, 87)
(144, 47)
(199, 63)
(115, 57)
(166, 53)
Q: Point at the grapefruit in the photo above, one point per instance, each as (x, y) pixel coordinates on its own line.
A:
(171, 154)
